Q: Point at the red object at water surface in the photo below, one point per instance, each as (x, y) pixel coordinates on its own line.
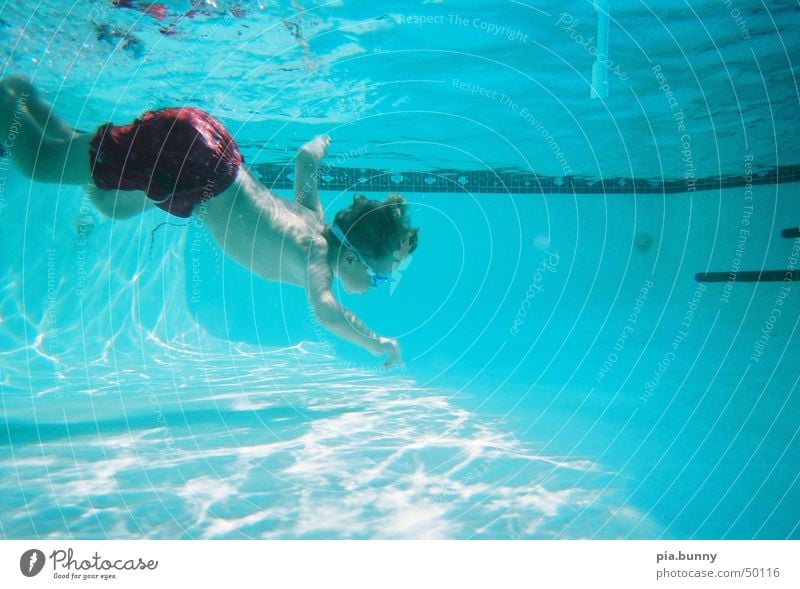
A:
(158, 11)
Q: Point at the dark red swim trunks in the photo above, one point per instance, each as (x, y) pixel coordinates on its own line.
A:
(178, 156)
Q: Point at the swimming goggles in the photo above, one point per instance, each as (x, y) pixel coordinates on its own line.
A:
(376, 277)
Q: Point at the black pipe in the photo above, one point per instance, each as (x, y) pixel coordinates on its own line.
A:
(749, 276)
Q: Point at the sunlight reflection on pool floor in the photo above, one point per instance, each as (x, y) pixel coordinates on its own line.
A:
(196, 450)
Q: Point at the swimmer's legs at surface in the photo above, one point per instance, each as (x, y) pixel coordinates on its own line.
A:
(58, 156)
(46, 149)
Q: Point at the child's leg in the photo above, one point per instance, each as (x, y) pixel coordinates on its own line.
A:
(118, 204)
(48, 150)
(64, 160)
(39, 109)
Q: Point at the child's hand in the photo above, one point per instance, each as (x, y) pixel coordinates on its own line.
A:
(311, 153)
(392, 348)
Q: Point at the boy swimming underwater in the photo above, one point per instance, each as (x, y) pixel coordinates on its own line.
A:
(179, 157)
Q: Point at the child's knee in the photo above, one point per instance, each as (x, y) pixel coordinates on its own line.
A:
(8, 98)
(18, 83)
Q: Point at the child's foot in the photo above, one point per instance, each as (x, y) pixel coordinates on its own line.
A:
(311, 153)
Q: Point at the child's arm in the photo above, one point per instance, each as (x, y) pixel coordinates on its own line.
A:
(341, 321)
(306, 175)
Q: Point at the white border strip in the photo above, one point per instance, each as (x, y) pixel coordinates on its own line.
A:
(405, 564)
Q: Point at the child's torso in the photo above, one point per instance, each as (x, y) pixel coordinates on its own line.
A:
(273, 237)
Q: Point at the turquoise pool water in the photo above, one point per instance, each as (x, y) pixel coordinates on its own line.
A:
(566, 375)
